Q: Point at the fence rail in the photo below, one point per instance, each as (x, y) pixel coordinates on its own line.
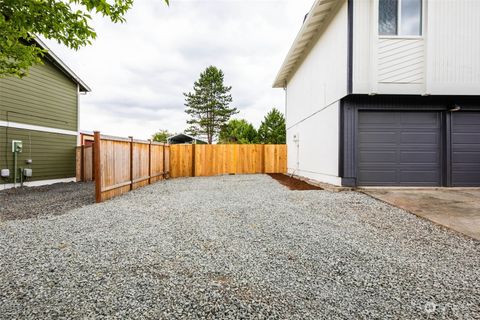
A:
(124, 164)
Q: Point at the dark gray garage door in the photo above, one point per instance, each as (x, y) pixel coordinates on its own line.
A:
(466, 149)
(399, 149)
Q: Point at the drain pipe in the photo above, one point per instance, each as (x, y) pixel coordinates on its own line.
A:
(15, 169)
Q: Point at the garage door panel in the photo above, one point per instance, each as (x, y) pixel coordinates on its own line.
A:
(378, 137)
(464, 157)
(465, 137)
(465, 149)
(418, 137)
(420, 157)
(378, 156)
(377, 177)
(420, 175)
(406, 152)
(416, 119)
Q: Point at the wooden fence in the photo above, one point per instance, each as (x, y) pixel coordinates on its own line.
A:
(121, 165)
(84, 163)
(210, 160)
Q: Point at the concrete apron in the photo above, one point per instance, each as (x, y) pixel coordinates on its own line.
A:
(454, 208)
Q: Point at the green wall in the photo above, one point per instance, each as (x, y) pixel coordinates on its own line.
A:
(46, 97)
(53, 154)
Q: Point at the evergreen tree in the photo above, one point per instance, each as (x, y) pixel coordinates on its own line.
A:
(238, 131)
(273, 128)
(209, 104)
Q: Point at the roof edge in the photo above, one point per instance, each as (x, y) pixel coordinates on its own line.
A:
(316, 17)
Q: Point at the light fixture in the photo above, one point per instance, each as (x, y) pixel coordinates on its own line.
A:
(454, 108)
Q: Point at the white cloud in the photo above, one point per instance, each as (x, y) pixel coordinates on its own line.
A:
(139, 70)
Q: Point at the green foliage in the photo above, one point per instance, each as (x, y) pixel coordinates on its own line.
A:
(209, 104)
(273, 128)
(161, 136)
(65, 21)
(238, 131)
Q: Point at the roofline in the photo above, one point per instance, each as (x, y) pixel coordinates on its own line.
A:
(187, 135)
(315, 20)
(62, 66)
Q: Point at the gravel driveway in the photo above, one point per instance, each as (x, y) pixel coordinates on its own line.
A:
(54, 199)
(236, 247)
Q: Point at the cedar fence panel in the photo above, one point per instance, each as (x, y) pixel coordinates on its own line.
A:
(122, 165)
(210, 160)
(84, 163)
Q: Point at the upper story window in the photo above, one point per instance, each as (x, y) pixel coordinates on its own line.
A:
(400, 18)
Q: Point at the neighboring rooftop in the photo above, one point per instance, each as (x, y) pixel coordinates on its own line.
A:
(314, 21)
(183, 138)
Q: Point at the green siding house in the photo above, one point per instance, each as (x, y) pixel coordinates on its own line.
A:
(42, 111)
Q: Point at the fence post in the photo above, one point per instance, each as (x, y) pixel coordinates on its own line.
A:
(131, 162)
(149, 161)
(163, 167)
(97, 166)
(193, 159)
(264, 159)
(82, 163)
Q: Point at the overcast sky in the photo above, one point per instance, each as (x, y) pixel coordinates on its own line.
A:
(139, 70)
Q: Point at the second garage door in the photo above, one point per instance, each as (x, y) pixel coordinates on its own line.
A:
(466, 149)
(399, 148)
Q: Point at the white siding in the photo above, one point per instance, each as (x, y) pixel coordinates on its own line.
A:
(444, 61)
(312, 104)
(453, 46)
(314, 154)
(401, 61)
(363, 37)
(322, 76)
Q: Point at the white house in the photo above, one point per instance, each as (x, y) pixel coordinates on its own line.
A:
(385, 93)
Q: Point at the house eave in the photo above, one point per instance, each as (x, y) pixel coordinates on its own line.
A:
(316, 19)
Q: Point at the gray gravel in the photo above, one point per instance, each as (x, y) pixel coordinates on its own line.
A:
(55, 199)
(236, 247)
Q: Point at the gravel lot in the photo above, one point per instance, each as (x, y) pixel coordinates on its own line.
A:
(55, 199)
(236, 247)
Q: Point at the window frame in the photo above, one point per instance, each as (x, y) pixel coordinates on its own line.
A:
(399, 23)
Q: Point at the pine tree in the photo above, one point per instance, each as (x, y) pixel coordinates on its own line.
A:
(273, 128)
(209, 104)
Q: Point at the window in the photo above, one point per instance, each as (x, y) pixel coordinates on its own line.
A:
(400, 18)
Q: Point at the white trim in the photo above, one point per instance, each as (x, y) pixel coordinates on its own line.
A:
(78, 115)
(317, 176)
(24, 126)
(38, 183)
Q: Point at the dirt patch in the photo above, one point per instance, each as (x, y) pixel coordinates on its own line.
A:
(292, 183)
(55, 199)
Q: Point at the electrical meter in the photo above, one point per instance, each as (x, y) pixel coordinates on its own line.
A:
(17, 146)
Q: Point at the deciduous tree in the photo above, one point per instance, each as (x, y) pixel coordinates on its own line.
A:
(161, 136)
(238, 131)
(67, 21)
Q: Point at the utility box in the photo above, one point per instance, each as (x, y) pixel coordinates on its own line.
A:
(17, 146)
(27, 172)
(5, 173)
